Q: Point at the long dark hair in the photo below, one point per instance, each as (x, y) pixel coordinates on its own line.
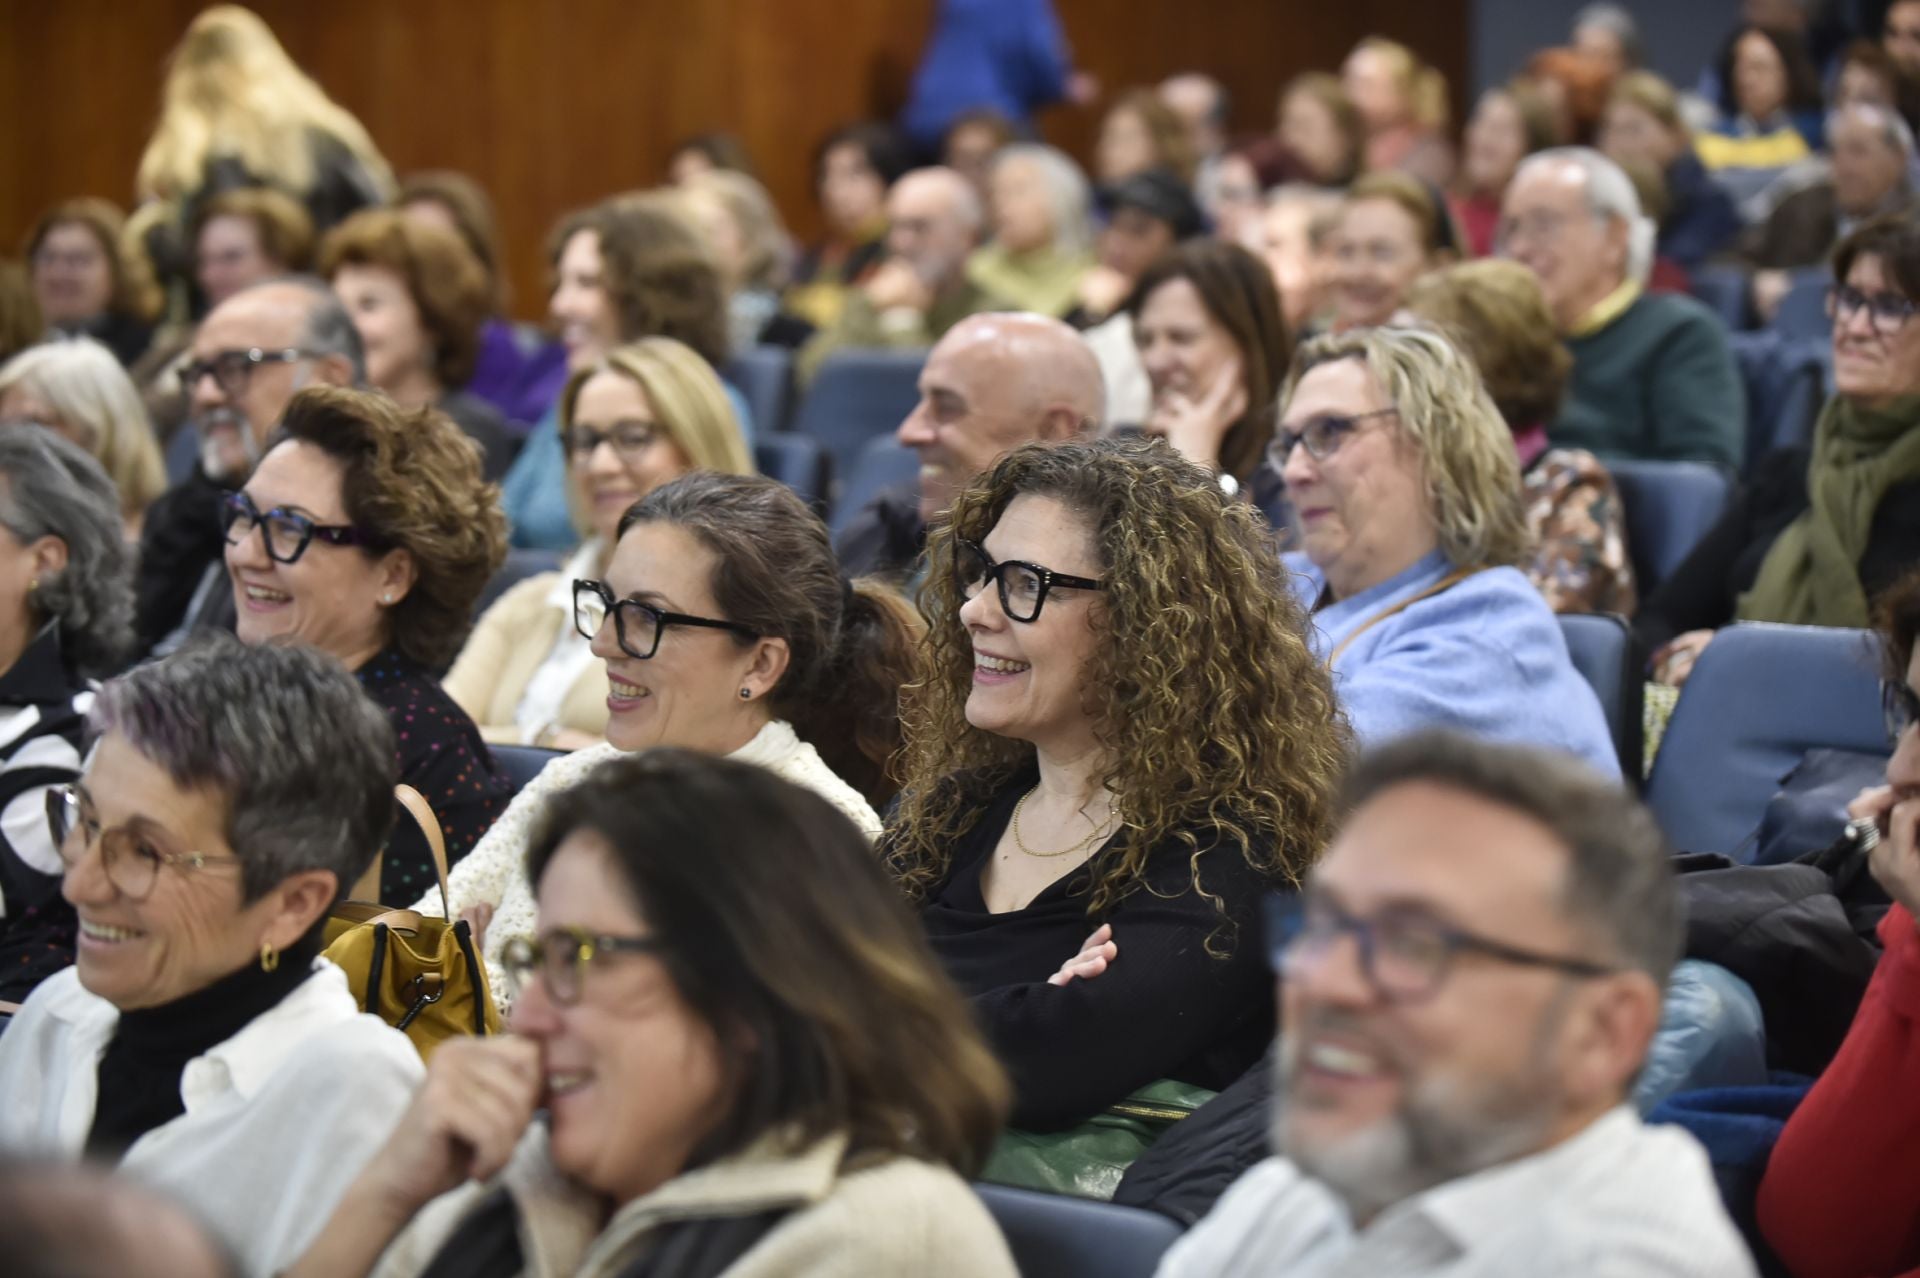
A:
(780, 930)
(1803, 82)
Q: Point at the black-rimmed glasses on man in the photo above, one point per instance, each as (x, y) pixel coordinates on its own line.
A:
(233, 370)
(1023, 586)
(636, 626)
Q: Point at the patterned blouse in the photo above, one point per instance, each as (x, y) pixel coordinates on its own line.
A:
(1579, 530)
(441, 756)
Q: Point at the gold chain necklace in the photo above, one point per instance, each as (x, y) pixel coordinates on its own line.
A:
(1021, 843)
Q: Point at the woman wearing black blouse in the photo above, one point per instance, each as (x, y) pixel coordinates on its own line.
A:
(366, 531)
(1121, 732)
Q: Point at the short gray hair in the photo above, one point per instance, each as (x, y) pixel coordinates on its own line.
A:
(1611, 196)
(330, 329)
(1617, 22)
(1894, 131)
(1067, 191)
(53, 488)
(1620, 883)
(303, 758)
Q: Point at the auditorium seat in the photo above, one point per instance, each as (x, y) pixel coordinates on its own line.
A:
(1784, 379)
(1603, 651)
(882, 464)
(1760, 696)
(1803, 311)
(857, 395)
(764, 377)
(798, 461)
(1723, 290)
(1669, 506)
(520, 565)
(1054, 1236)
(522, 764)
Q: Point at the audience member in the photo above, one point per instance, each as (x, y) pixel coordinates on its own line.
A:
(1119, 731)
(1900, 35)
(630, 267)
(1200, 102)
(1139, 133)
(1392, 229)
(852, 170)
(972, 140)
(1610, 33)
(1206, 321)
(922, 289)
(519, 369)
(366, 532)
(1847, 1154)
(418, 299)
(1297, 225)
(1509, 123)
(84, 282)
(1868, 76)
(1236, 197)
(992, 383)
(645, 414)
(1005, 56)
(244, 237)
(1321, 131)
(1869, 173)
(711, 152)
(1642, 127)
(726, 627)
(1573, 87)
(1653, 375)
(1406, 501)
(1768, 117)
(62, 1221)
(1815, 534)
(78, 390)
(751, 247)
(1451, 1093)
(1146, 217)
(251, 353)
(1494, 312)
(200, 1042)
(66, 618)
(1403, 103)
(1042, 239)
(749, 1062)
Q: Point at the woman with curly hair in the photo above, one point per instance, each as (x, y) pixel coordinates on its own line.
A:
(366, 532)
(1119, 729)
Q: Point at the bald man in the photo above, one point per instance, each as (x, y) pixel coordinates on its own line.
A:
(992, 383)
(249, 356)
(921, 290)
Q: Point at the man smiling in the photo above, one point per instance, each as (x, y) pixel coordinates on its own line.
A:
(1468, 985)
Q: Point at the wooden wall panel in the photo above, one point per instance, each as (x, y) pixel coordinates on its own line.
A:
(553, 104)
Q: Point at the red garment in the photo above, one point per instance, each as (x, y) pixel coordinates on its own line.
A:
(1668, 276)
(1841, 1197)
(1479, 218)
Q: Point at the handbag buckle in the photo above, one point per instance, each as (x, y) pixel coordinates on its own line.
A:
(428, 990)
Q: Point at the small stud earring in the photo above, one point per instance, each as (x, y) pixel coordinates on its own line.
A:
(746, 694)
(386, 599)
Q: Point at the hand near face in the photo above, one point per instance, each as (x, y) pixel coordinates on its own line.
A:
(895, 286)
(1102, 290)
(1895, 861)
(1198, 426)
(1095, 953)
(1675, 660)
(465, 1120)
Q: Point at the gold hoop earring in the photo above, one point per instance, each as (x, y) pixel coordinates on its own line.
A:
(269, 957)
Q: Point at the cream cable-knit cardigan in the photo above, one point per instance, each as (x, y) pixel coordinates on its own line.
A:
(495, 872)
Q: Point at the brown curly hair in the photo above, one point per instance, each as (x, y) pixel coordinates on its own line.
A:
(656, 269)
(134, 291)
(412, 480)
(444, 278)
(1213, 711)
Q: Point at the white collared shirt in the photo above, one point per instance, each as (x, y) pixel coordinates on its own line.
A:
(571, 655)
(279, 1118)
(1620, 1199)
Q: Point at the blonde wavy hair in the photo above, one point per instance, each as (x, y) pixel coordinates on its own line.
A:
(96, 401)
(1215, 716)
(1423, 87)
(231, 89)
(1466, 451)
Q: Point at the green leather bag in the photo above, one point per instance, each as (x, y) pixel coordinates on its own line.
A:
(1088, 1160)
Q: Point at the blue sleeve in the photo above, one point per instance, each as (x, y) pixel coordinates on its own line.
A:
(1038, 75)
(534, 494)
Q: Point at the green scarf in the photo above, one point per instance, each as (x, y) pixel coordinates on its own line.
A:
(1811, 576)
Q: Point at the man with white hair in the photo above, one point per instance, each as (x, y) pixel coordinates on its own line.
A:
(1653, 376)
(921, 290)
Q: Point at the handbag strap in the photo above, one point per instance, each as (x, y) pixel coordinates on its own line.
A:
(359, 912)
(422, 813)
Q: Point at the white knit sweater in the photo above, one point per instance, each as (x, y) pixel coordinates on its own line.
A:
(495, 872)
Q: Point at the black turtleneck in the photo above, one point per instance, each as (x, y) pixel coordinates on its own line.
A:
(139, 1074)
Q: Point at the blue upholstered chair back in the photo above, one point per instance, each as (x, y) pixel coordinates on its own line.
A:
(1604, 653)
(1669, 506)
(764, 377)
(857, 395)
(1053, 1236)
(884, 463)
(797, 461)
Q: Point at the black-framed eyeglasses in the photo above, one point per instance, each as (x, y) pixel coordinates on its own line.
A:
(1889, 312)
(285, 533)
(232, 370)
(630, 440)
(636, 626)
(1405, 955)
(561, 956)
(1024, 587)
(130, 860)
(1322, 435)
(1899, 706)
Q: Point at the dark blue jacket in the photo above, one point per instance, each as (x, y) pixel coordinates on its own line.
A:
(1008, 56)
(1701, 219)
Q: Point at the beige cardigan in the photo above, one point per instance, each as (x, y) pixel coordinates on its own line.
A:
(508, 644)
(901, 1216)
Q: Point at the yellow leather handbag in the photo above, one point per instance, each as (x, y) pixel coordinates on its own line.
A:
(423, 976)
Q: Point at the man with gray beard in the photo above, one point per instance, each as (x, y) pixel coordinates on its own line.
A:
(249, 356)
(1468, 985)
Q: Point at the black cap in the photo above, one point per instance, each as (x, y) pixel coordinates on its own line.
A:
(1158, 194)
